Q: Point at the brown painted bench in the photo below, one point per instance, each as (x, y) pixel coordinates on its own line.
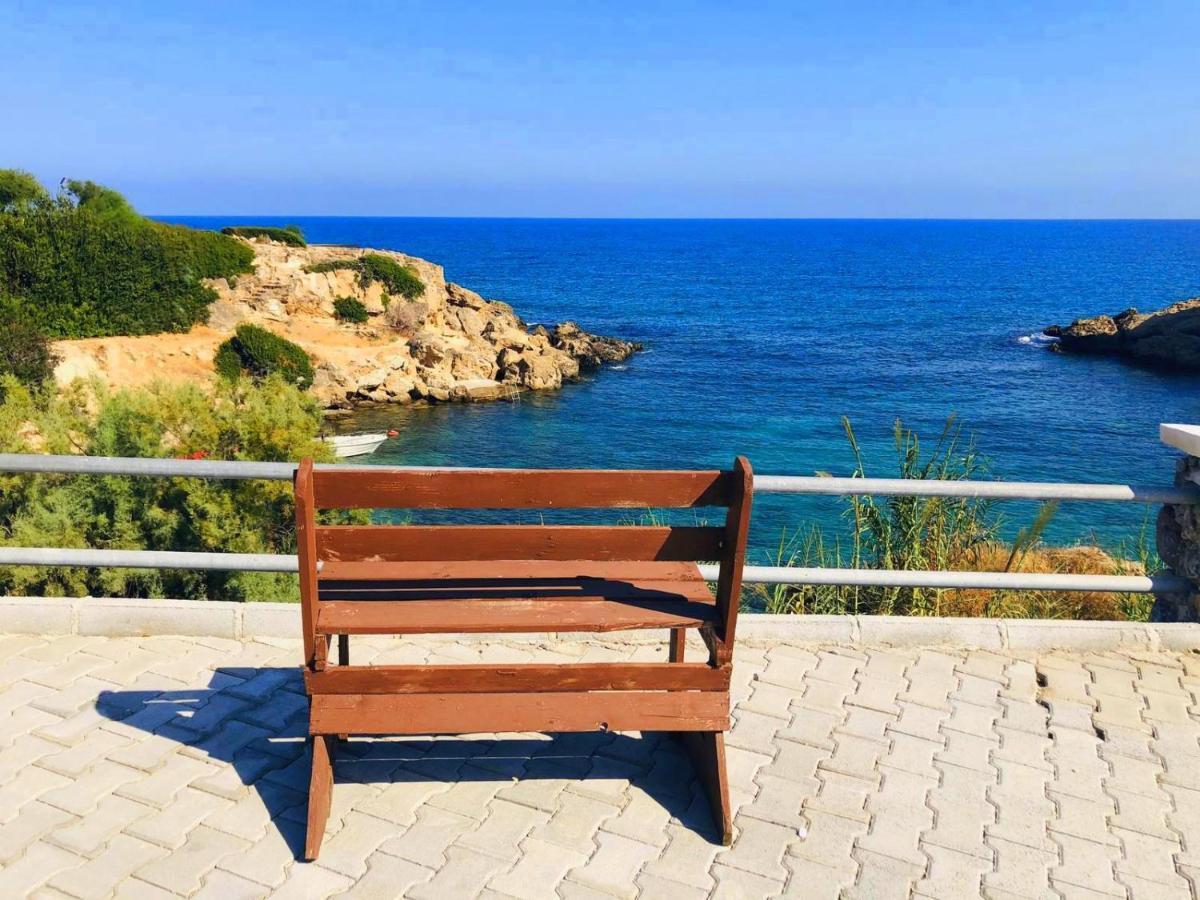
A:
(449, 579)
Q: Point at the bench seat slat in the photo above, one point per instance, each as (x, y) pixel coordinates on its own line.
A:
(508, 616)
(460, 713)
(379, 488)
(400, 543)
(534, 677)
(625, 570)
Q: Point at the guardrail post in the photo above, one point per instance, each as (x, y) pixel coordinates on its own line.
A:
(1178, 531)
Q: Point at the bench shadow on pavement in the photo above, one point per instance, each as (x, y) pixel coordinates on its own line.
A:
(256, 721)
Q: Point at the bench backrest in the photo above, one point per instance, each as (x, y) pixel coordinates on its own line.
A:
(381, 488)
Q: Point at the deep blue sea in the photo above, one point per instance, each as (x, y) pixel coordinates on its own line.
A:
(760, 335)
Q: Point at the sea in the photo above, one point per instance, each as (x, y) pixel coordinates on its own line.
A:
(761, 335)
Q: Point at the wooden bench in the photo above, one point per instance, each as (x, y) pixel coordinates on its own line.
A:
(435, 579)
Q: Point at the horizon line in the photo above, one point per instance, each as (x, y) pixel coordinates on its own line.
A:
(160, 215)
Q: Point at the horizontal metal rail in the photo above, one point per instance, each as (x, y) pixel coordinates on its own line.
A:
(266, 562)
(771, 484)
(149, 559)
(1002, 581)
(999, 490)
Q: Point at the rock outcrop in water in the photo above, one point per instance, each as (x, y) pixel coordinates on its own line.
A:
(449, 344)
(1167, 339)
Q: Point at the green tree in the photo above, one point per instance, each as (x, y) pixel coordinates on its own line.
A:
(19, 188)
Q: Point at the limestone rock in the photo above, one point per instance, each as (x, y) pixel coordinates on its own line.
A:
(1167, 339)
(427, 348)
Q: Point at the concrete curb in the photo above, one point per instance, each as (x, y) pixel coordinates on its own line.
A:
(246, 621)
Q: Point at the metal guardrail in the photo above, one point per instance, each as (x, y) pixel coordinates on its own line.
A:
(767, 484)
(784, 484)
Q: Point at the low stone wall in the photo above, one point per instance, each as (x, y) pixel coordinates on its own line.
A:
(1178, 538)
(265, 621)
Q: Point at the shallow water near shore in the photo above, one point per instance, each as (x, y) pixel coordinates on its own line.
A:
(761, 334)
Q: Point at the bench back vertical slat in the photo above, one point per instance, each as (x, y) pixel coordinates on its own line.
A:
(306, 547)
(737, 529)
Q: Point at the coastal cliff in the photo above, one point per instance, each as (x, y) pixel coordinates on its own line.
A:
(446, 344)
(1168, 338)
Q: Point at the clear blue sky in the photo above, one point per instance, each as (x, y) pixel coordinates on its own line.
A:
(994, 108)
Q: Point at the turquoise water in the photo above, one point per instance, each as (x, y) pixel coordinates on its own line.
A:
(761, 334)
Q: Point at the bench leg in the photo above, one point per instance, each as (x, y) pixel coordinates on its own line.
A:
(343, 660)
(707, 752)
(677, 645)
(320, 794)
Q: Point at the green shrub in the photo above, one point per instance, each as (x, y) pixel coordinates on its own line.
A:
(347, 309)
(84, 264)
(242, 421)
(282, 235)
(333, 265)
(261, 353)
(24, 351)
(212, 255)
(395, 278)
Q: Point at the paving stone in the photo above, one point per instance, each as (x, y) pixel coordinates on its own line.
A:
(183, 871)
(541, 867)
(40, 864)
(311, 883)
(962, 811)
(500, 834)
(35, 820)
(1019, 871)
(809, 879)
(271, 856)
(1088, 865)
(738, 884)
(881, 877)
(899, 815)
(88, 835)
(644, 819)
(951, 875)
(425, 842)
(99, 877)
(759, 847)
(1023, 809)
(222, 885)
(686, 859)
(615, 865)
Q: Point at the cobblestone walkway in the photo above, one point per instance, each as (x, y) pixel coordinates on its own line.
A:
(164, 766)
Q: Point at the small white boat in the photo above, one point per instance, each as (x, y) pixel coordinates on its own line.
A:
(356, 444)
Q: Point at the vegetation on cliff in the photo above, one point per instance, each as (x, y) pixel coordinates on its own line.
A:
(260, 353)
(84, 264)
(349, 309)
(290, 234)
(240, 420)
(375, 267)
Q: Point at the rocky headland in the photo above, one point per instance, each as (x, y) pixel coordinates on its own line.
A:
(447, 345)
(1166, 339)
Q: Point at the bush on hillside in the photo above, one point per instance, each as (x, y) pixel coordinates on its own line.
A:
(395, 278)
(333, 265)
(289, 235)
(261, 353)
(84, 264)
(242, 421)
(212, 255)
(347, 309)
(25, 352)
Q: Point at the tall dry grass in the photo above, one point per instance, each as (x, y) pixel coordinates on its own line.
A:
(945, 533)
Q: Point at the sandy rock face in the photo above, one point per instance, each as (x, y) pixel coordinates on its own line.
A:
(1168, 338)
(449, 344)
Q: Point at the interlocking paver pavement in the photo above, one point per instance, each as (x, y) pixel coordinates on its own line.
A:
(176, 767)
